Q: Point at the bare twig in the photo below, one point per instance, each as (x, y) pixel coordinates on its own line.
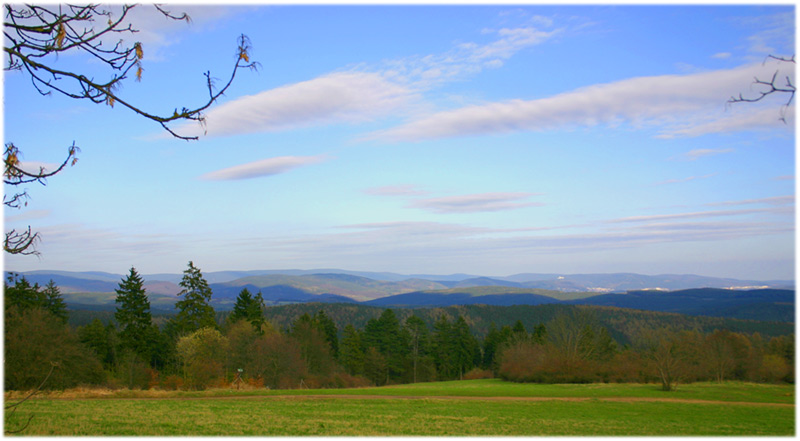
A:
(15, 406)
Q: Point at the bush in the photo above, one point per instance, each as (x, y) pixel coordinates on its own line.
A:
(478, 374)
(171, 382)
(34, 340)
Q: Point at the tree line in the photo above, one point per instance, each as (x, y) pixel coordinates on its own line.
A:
(194, 349)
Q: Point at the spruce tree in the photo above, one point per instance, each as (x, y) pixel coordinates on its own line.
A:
(53, 301)
(324, 324)
(194, 310)
(248, 308)
(133, 314)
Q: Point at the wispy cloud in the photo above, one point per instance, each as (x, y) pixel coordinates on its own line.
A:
(689, 179)
(671, 102)
(696, 154)
(351, 97)
(775, 200)
(364, 92)
(475, 203)
(265, 167)
(467, 58)
(396, 190)
(700, 214)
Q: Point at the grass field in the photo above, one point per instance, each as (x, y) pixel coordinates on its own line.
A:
(467, 408)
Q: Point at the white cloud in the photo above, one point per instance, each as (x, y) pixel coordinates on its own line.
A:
(265, 167)
(351, 97)
(774, 200)
(701, 214)
(363, 93)
(475, 203)
(721, 55)
(396, 190)
(671, 102)
(678, 181)
(469, 58)
(693, 155)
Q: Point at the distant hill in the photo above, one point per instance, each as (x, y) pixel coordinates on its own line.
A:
(472, 295)
(354, 287)
(666, 293)
(758, 304)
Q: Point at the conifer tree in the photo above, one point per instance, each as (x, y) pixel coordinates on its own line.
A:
(324, 324)
(133, 314)
(351, 353)
(248, 308)
(53, 301)
(194, 310)
(417, 333)
(21, 294)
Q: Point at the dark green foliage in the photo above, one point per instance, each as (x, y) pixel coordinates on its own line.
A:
(102, 339)
(314, 347)
(351, 354)
(442, 348)
(35, 339)
(21, 294)
(133, 316)
(194, 310)
(385, 335)
(418, 343)
(328, 328)
(248, 308)
(53, 301)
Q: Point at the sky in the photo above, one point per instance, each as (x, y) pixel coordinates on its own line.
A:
(489, 140)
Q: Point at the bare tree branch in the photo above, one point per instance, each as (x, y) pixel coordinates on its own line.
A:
(15, 406)
(35, 35)
(773, 86)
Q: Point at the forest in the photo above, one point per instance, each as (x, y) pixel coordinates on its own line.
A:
(302, 346)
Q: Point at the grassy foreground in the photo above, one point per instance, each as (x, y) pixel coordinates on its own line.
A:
(467, 408)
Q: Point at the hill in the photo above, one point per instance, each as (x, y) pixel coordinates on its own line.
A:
(622, 323)
(758, 304)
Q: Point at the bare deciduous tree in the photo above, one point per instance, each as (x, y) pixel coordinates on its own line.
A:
(34, 38)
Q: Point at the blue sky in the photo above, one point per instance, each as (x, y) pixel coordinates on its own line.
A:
(428, 139)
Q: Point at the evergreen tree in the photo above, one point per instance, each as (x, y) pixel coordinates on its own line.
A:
(248, 308)
(133, 315)
(443, 349)
(351, 354)
(53, 301)
(417, 333)
(385, 336)
(491, 348)
(325, 325)
(101, 339)
(466, 349)
(194, 310)
(21, 294)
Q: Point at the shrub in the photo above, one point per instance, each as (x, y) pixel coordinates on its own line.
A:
(477, 374)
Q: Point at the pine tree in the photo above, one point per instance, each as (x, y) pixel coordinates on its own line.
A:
(194, 311)
(21, 294)
(444, 349)
(53, 301)
(351, 353)
(248, 308)
(133, 314)
(324, 324)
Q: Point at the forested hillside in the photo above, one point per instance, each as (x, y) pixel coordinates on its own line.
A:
(338, 345)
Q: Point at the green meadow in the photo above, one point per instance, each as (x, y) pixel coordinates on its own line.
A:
(462, 408)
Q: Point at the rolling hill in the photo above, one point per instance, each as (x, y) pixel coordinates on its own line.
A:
(96, 288)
